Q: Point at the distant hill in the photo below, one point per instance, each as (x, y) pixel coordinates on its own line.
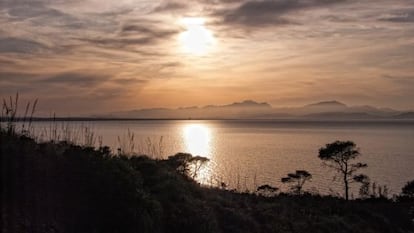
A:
(342, 115)
(244, 104)
(332, 103)
(405, 115)
(250, 109)
(337, 110)
(249, 104)
(325, 106)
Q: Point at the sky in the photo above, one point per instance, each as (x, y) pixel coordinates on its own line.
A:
(93, 56)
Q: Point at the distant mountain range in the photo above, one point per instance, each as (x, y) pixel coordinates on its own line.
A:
(250, 109)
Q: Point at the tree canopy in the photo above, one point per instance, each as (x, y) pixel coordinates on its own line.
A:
(298, 179)
(338, 156)
(408, 189)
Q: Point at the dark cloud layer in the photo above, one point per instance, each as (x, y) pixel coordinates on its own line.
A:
(76, 79)
(119, 42)
(129, 81)
(18, 45)
(38, 12)
(148, 31)
(68, 79)
(133, 35)
(17, 77)
(402, 17)
(267, 12)
(170, 6)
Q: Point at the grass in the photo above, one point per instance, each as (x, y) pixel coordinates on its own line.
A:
(82, 134)
(9, 115)
(152, 147)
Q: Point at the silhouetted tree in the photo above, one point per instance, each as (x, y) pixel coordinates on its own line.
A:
(186, 164)
(364, 181)
(180, 162)
(408, 189)
(338, 156)
(297, 179)
(266, 190)
(196, 163)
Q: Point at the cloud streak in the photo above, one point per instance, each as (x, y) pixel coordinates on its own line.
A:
(74, 79)
(401, 17)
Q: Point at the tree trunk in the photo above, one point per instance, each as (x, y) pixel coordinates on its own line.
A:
(346, 187)
(346, 181)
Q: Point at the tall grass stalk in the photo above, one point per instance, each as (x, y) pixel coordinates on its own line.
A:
(9, 116)
(150, 146)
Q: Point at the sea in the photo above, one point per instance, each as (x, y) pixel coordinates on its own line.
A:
(244, 154)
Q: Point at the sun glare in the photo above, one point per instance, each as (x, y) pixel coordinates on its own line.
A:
(197, 39)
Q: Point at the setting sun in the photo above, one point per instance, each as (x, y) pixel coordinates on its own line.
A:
(196, 39)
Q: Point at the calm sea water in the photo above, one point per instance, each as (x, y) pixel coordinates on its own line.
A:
(247, 153)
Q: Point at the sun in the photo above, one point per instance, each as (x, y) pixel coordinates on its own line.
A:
(196, 39)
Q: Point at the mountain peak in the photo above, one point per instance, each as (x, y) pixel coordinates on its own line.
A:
(249, 103)
(330, 103)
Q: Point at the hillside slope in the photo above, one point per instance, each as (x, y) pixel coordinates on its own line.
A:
(51, 187)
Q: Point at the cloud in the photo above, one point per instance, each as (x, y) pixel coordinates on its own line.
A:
(170, 6)
(403, 17)
(6, 62)
(16, 77)
(17, 45)
(76, 79)
(268, 12)
(32, 10)
(119, 42)
(133, 36)
(37, 12)
(129, 81)
(78, 86)
(18, 81)
(148, 31)
(402, 80)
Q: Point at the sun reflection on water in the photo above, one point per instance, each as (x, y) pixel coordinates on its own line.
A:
(197, 138)
(197, 141)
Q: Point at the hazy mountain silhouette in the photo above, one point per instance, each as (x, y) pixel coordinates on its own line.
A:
(250, 109)
(342, 115)
(405, 115)
(244, 109)
(337, 110)
(327, 104)
(324, 106)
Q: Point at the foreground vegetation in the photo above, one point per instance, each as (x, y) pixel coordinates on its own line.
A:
(61, 187)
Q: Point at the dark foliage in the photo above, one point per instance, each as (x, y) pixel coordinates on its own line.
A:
(297, 180)
(408, 189)
(267, 190)
(186, 164)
